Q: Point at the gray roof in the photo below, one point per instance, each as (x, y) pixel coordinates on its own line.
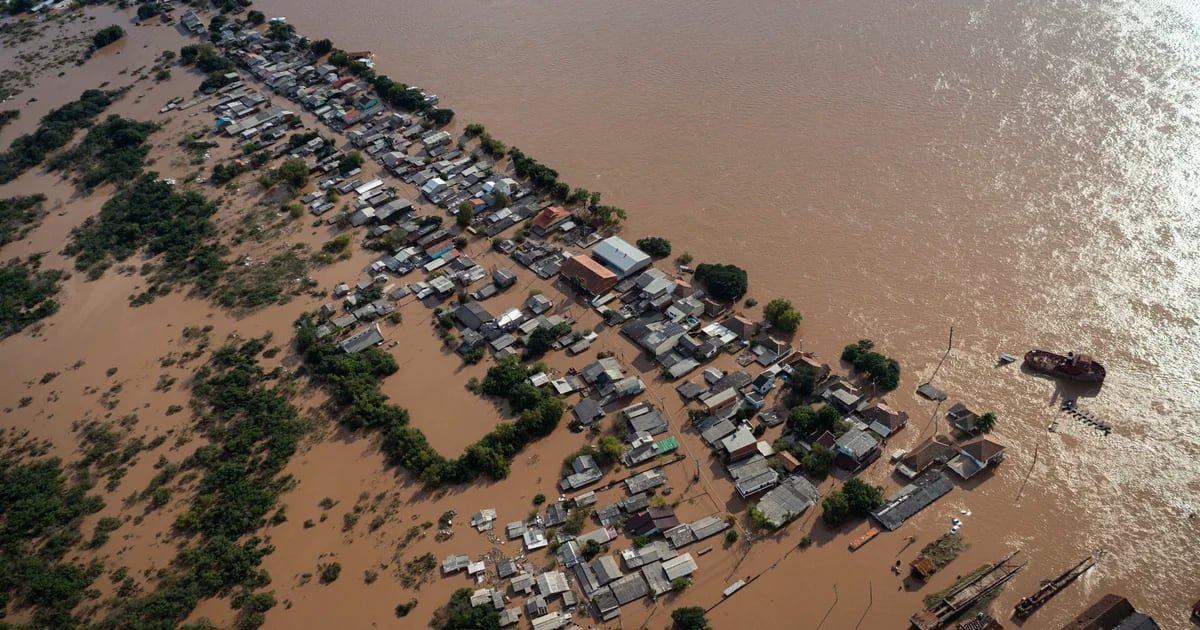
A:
(644, 481)
(629, 588)
(606, 569)
(790, 499)
(473, 315)
(556, 514)
(587, 411)
(653, 422)
(680, 566)
(618, 255)
(568, 554)
(913, 498)
(362, 339)
(714, 433)
(856, 443)
(656, 578)
(707, 526)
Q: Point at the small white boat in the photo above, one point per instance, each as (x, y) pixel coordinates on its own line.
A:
(1005, 358)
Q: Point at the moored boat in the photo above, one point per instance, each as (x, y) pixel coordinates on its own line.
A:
(1076, 367)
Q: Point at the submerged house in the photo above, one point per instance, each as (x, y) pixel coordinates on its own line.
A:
(975, 456)
(911, 499)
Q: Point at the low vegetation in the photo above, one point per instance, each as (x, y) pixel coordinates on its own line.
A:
(252, 432)
(113, 151)
(727, 283)
(8, 116)
(153, 216)
(19, 216)
(27, 293)
(882, 371)
(42, 512)
(354, 380)
(54, 131)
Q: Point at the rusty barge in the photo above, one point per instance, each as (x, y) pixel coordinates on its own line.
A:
(966, 593)
(1029, 605)
(1075, 367)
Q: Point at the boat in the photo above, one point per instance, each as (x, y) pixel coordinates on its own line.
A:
(1076, 367)
(864, 539)
(1029, 605)
(1005, 358)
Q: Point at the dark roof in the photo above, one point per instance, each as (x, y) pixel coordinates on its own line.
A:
(913, 498)
(588, 411)
(652, 519)
(1112, 612)
(982, 449)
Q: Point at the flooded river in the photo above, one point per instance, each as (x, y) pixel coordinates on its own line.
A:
(1022, 171)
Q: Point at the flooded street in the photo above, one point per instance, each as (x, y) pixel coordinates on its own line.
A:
(1023, 172)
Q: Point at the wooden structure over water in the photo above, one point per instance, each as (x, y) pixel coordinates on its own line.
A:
(1029, 605)
(966, 593)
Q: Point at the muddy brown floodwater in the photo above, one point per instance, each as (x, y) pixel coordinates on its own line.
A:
(1021, 171)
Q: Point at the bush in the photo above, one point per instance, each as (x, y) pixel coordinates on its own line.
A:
(656, 246)
(727, 283)
(330, 572)
(107, 35)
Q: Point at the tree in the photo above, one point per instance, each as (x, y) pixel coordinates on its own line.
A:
(321, 47)
(862, 497)
(473, 129)
(459, 614)
(294, 172)
(818, 462)
(656, 246)
(690, 618)
(727, 283)
(441, 117)
(780, 313)
(500, 201)
(107, 35)
(349, 162)
(986, 422)
(802, 420)
(255, 18)
(883, 371)
(147, 10)
(835, 508)
(731, 536)
(466, 214)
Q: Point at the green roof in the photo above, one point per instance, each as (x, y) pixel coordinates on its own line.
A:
(667, 444)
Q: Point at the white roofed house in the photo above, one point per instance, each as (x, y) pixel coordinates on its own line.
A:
(621, 257)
